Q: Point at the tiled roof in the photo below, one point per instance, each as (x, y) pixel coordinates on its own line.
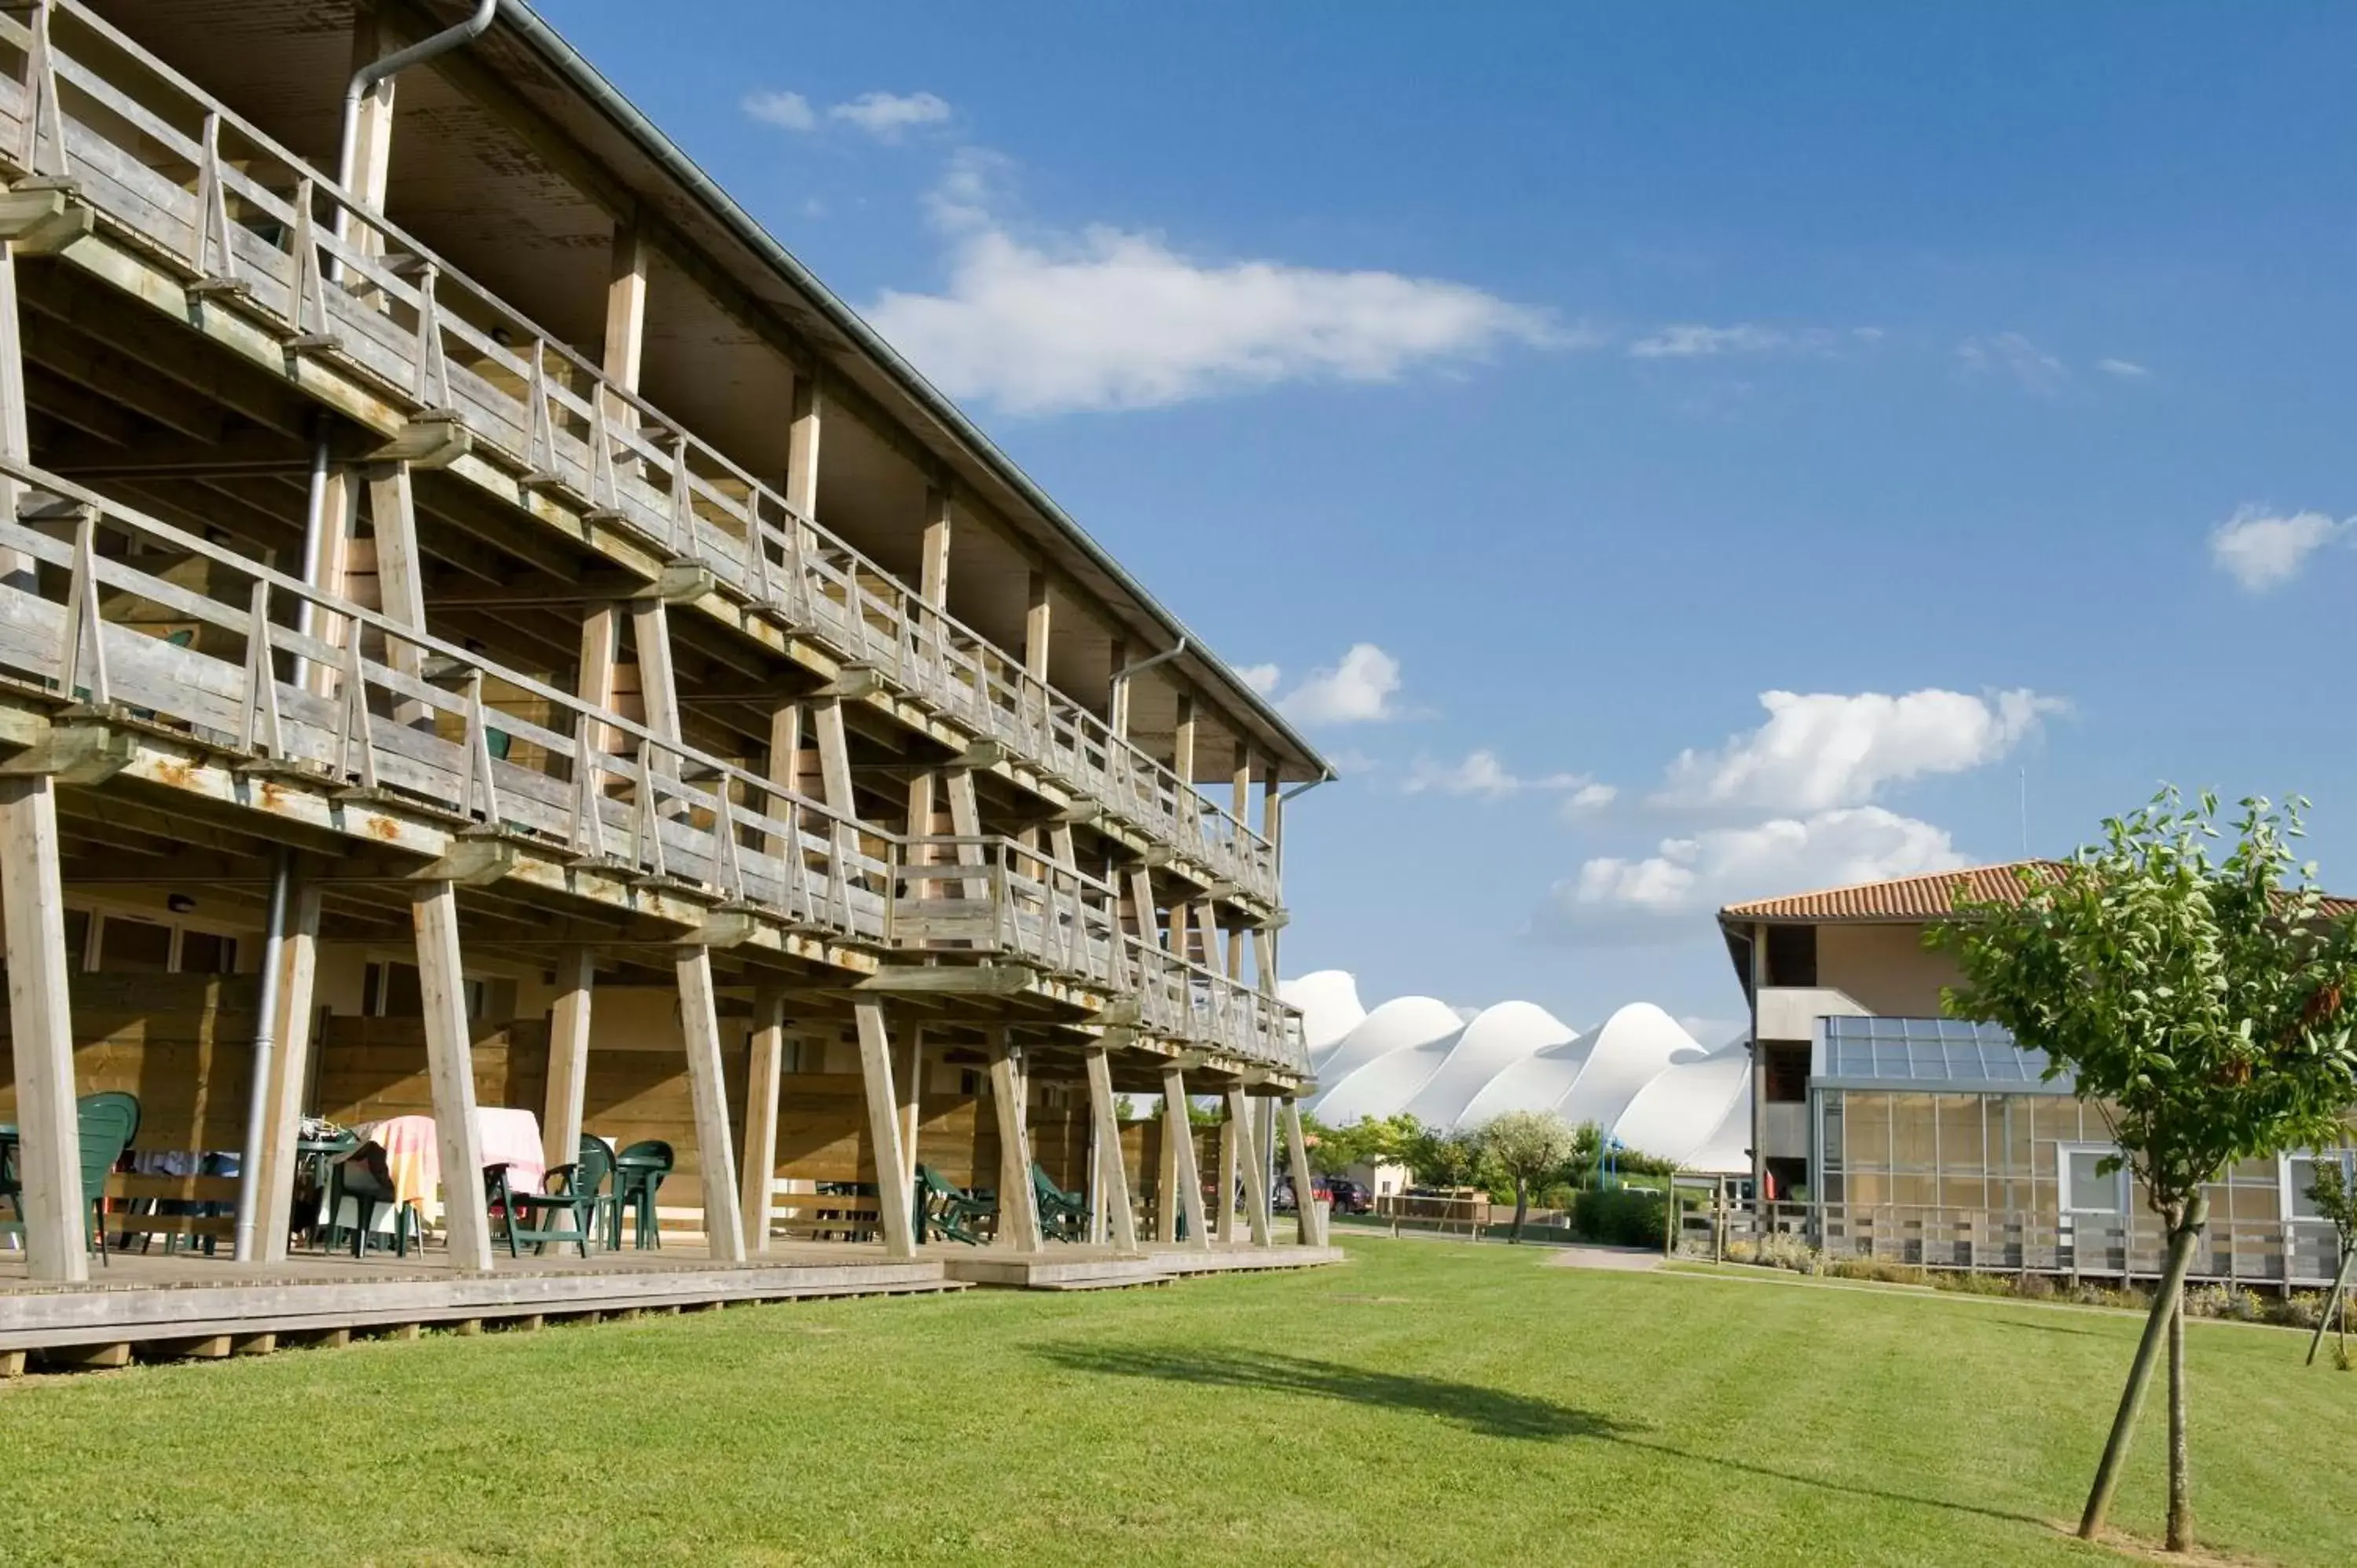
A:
(1925, 898)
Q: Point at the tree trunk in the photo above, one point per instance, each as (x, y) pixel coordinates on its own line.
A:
(2164, 1300)
(1522, 1204)
(2334, 1302)
(2180, 1481)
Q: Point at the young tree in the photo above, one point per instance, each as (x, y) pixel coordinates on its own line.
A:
(2335, 1197)
(1532, 1147)
(2198, 1005)
(1438, 1158)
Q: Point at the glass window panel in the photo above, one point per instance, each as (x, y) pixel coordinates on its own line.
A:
(1960, 1133)
(1912, 1121)
(2091, 1191)
(126, 946)
(1915, 1191)
(1866, 1132)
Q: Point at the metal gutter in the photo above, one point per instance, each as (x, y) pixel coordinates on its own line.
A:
(575, 69)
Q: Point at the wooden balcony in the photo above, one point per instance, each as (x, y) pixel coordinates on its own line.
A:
(135, 626)
(269, 256)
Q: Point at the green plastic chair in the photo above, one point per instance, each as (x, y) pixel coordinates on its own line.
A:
(107, 1123)
(574, 1190)
(951, 1212)
(638, 1173)
(1063, 1215)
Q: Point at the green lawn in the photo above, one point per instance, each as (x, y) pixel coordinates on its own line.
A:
(1431, 1402)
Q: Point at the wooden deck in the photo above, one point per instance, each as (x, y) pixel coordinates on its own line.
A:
(191, 1305)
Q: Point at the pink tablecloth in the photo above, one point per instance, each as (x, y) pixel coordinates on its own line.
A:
(413, 1156)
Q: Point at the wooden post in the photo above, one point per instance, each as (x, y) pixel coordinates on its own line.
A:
(40, 1023)
(601, 638)
(289, 1072)
(373, 145)
(16, 441)
(1312, 1228)
(893, 1181)
(707, 1089)
(908, 1082)
(933, 568)
(339, 520)
(1178, 1134)
(802, 443)
(1113, 1172)
(1230, 1161)
(834, 754)
(1166, 1175)
(785, 767)
(657, 680)
(761, 1086)
(1272, 828)
(400, 569)
(569, 1058)
(1035, 627)
(626, 304)
(450, 1057)
(1018, 1202)
(1253, 1160)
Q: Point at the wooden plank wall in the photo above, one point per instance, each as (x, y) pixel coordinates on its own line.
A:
(182, 1042)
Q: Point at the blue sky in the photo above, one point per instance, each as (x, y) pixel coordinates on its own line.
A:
(1977, 380)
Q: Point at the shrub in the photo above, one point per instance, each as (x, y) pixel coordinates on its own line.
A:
(1619, 1217)
(1878, 1269)
(2034, 1287)
(2304, 1310)
(1968, 1281)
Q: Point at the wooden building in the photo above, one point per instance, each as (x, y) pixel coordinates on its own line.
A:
(481, 625)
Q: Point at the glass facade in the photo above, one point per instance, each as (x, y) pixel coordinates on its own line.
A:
(1941, 1142)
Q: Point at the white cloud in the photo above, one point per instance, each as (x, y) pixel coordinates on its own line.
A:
(1692, 876)
(1481, 774)
(1260, 678)
(788, 111)
(1110, 318)
(2123, 369)
(2013, 357)
(1590, 798)
(884, 115)
(1824, 749)
(1692, 341)
(1359, 690)
(2262, 549)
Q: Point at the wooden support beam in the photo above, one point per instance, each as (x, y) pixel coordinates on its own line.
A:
(1251, 1157)
(1182, 742)
(1272, 828)
(339, 524)
(1113, 1172)
(400, 568)
(933, 568)
(568, 1056)
(15, 442)
(707, 1089)
(373, 148)
(893, 1178)
(834, 755)
(40, 1024)
(1142, 909)
(908, 1085)
(1230, 1159)
(626, 306)
(658, 680)
(801, 445)
(450, 1058)
(1018, 1201)
(601, 638)
(762, 1081)
(1174, 1129)
(1240, 806)
(785, 764)
(290, 1072)
(1312, 1225)
(1036, 628)
(1179, 1134)
(1207, 927)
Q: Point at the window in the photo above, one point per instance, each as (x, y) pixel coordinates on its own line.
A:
(1785, 1067)
(128, 946)
(2300, 1175)
(1791, 955)
(206, 952)
(2086, 1188)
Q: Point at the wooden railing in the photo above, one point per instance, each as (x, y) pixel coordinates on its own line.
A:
(2272, 1251)
(256, 229)
(129, 615)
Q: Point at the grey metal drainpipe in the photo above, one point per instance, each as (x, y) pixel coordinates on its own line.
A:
(273, 941)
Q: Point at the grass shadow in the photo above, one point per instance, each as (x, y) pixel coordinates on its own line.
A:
(1490, 1412)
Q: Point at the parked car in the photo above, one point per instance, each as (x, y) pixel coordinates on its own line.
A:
(1347, 1197)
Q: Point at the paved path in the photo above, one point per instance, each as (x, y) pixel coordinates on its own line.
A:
(1626, 1259)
